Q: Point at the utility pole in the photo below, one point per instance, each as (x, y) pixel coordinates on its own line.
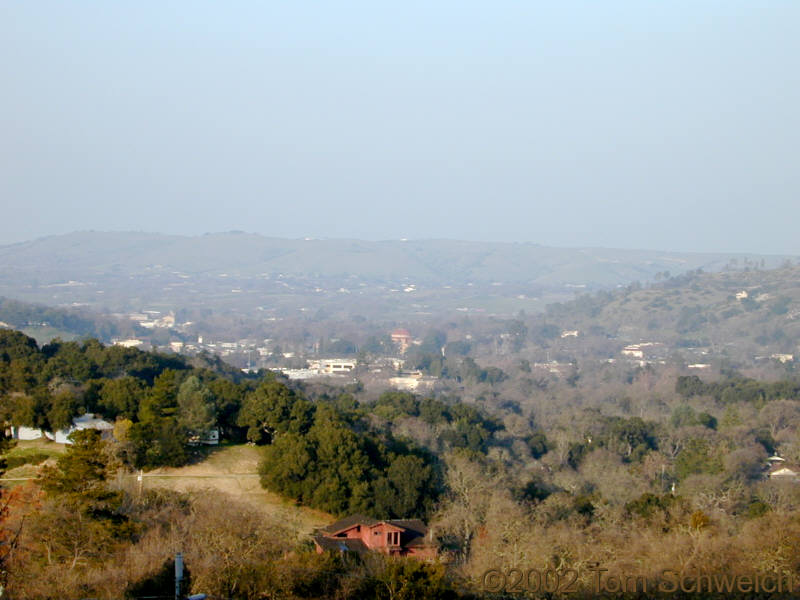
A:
(178, 575)
(179, 581)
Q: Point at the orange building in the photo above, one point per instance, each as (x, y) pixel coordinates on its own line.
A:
(402, 338)
(396, 537)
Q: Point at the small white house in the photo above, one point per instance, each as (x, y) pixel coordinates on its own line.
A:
(633, 350)
(26, 433)
(333, 366)
(130, 343)
(87, 421)
(784, 472)
(784, 358)
(206, 438)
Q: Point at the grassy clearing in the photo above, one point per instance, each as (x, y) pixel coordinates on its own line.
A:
(232, 471)
(30, 447)
(25, 458)
(228, 471)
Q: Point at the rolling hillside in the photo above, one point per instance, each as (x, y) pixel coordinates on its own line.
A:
(744, 314)
(130, 271)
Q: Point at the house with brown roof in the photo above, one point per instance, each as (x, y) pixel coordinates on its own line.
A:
(396, 537)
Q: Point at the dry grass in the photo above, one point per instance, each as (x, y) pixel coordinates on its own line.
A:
(232, 471)
(42, 445)
(227, 471)
(18, 475)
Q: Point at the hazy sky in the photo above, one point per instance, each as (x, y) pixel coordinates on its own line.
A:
(667, 125)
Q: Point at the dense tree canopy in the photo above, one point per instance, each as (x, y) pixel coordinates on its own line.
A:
(323, 457)
(164, 400)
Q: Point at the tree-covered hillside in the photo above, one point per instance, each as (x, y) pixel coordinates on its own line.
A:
(643, 468)
(325, 451)
(741, 313)
(72, 322)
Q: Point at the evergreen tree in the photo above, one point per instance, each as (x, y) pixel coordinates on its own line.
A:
(7, 538)
(196, 412)
(273, 409)
(80, 520)
(81, 473)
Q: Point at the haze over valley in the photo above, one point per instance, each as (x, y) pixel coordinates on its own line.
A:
(250, 274)
(399, 301)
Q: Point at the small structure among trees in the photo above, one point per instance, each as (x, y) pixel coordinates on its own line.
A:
(395, 537)
(784, 472)
(61, 436)
(402, 339)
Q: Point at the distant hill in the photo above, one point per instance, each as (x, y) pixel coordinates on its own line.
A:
(121, 271)
(45, 323)
(742, 314)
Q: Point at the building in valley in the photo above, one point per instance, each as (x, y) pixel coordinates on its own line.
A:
(396, 537)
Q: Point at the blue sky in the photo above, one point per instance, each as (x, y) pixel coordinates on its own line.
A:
(658, 125)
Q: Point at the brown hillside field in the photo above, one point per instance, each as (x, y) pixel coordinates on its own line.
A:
(233, 471)
(227, 471)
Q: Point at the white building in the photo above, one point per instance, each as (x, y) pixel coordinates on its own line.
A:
(633, 350)
(784, 358)
(333, 366)
(87, 421)
(131, 343)
(26, 433)
(166, 321)
(206, 438)
(412, 381)
(298, 373)
(782, 472)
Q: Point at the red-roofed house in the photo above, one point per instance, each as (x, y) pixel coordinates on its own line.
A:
(402, 338)
(357, 533)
